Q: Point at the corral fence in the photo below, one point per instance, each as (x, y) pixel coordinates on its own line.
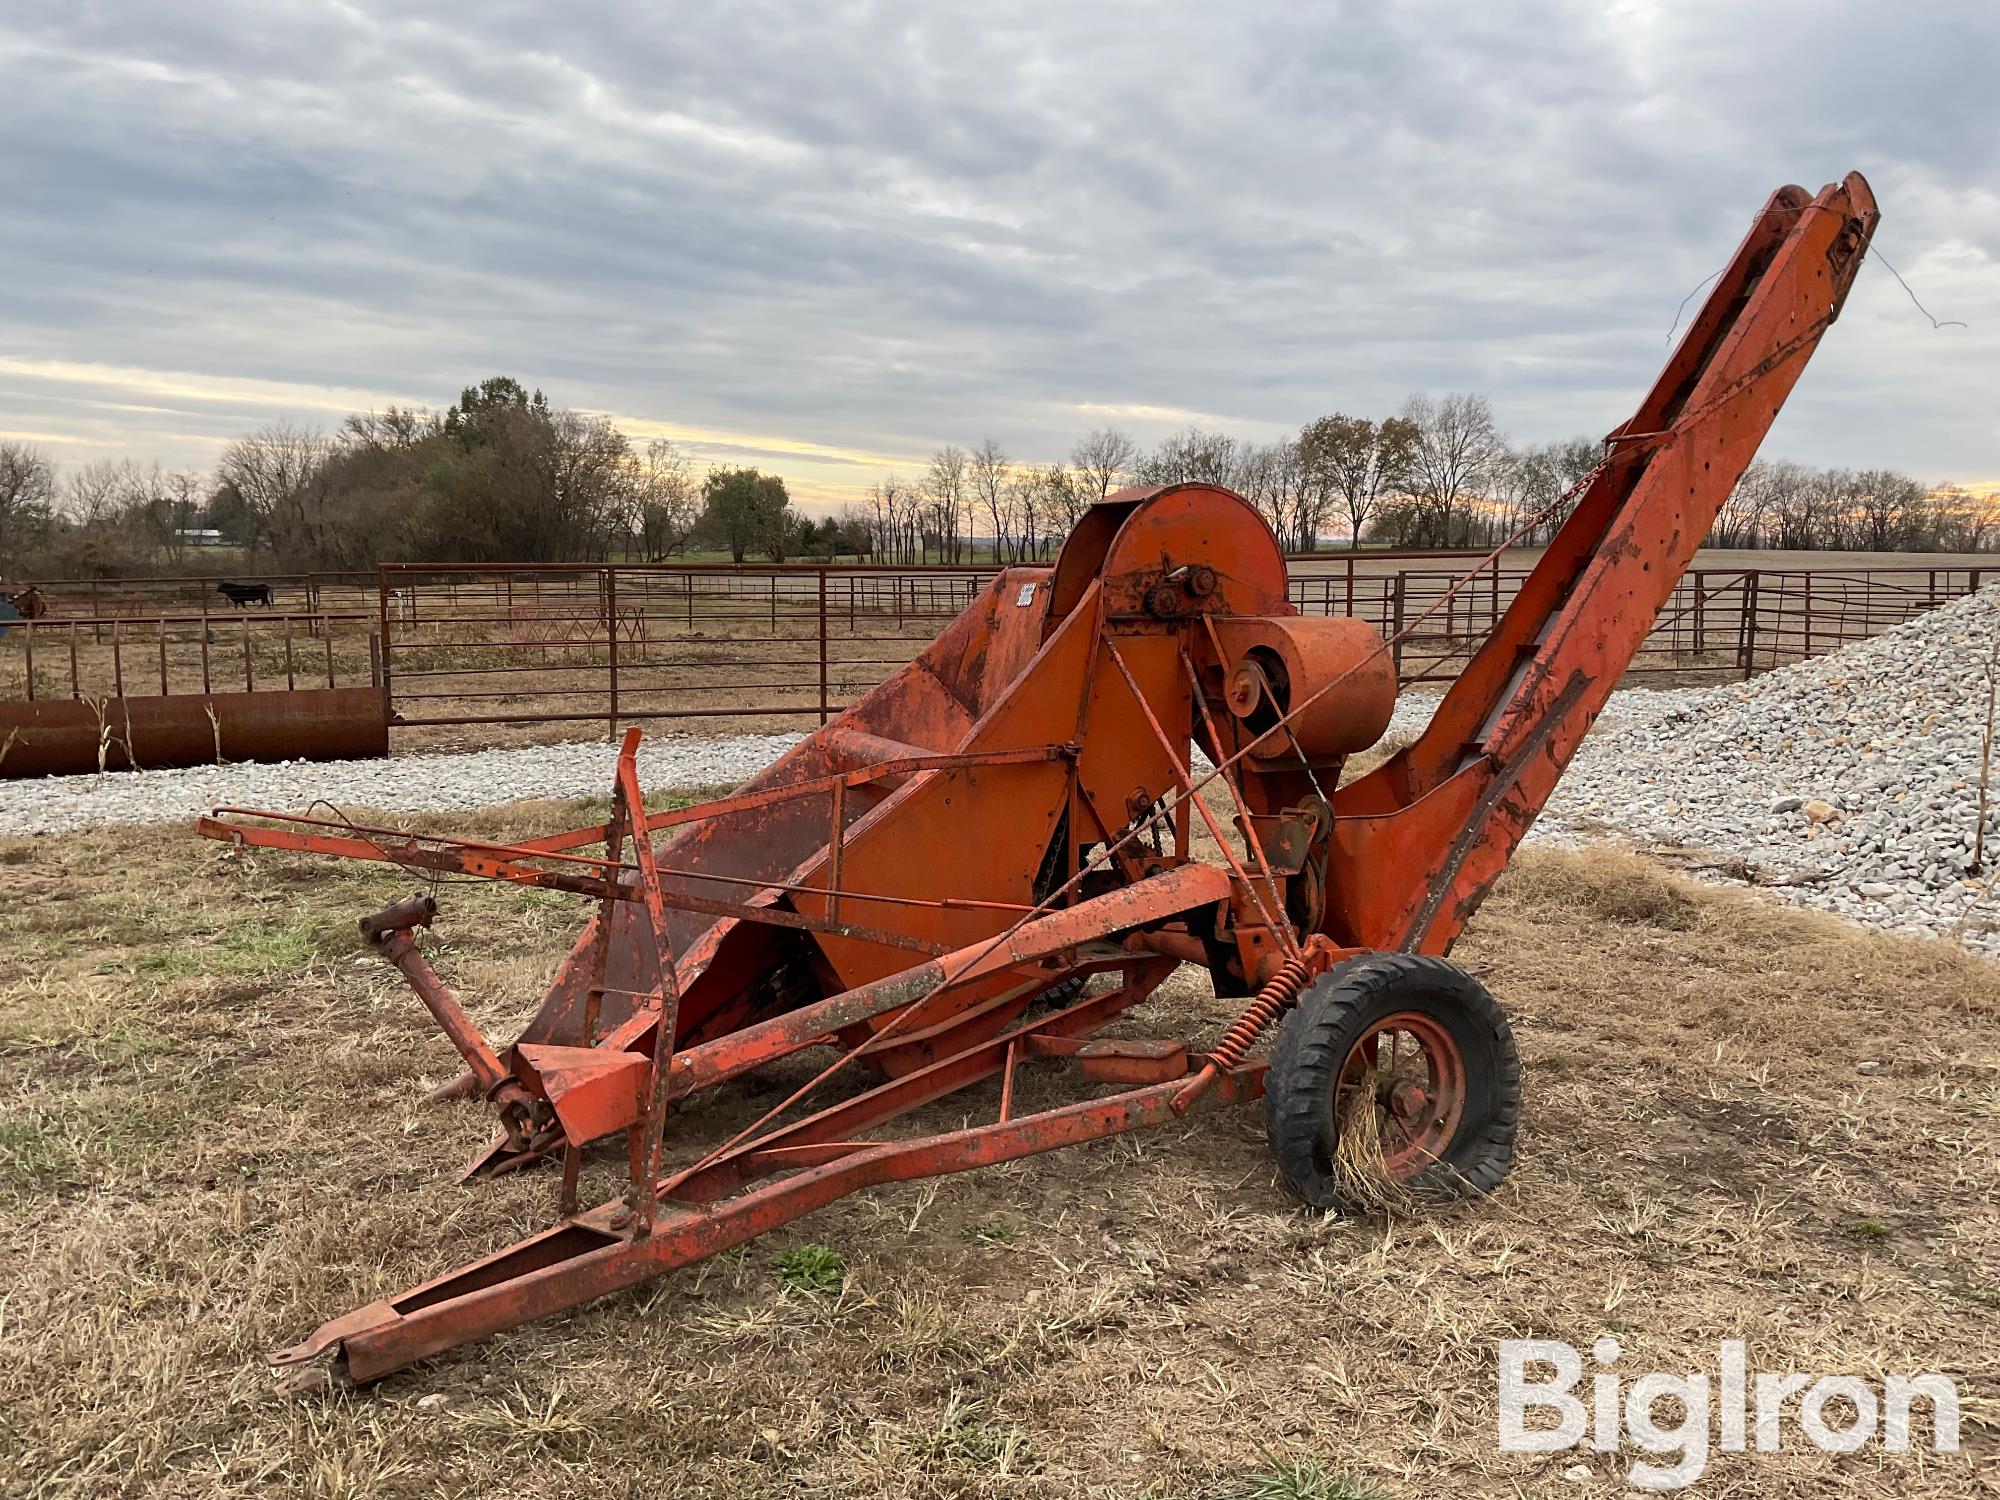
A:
(1719, 623)
(82, 691)
(156, 671)
(95, 656)
(104, 599)
(477, 645)
(560, 643)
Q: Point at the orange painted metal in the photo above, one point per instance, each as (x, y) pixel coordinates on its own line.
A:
(586, 1258)
(1335, 667)
(1148, 1060)
(909, 889)
(593, 1091)
(1420, 840)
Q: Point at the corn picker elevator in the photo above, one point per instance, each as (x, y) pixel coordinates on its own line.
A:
(1009, 845)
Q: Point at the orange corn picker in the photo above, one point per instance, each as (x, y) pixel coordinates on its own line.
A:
(995, 854)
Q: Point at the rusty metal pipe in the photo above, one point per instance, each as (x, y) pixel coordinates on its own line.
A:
(399, 949)
(388, 933)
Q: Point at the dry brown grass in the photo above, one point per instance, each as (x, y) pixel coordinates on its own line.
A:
(212, 1140)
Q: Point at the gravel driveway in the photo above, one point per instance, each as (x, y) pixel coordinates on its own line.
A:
(410, 783)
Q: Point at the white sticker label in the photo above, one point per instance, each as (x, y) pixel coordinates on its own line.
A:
(1027, 596)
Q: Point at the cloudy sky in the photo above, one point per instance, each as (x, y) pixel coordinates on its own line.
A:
(827, 238)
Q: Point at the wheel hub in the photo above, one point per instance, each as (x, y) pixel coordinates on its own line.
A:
(1409, 1071)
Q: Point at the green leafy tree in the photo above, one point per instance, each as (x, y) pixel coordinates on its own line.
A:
(229, 513)
(745, 510)
(478, 405)
(514, 480)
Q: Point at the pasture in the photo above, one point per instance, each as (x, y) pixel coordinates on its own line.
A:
(212, 1139)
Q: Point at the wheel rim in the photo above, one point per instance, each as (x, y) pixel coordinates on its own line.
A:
(1408, 1072)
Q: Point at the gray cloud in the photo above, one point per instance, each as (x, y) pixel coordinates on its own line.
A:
(875, 228)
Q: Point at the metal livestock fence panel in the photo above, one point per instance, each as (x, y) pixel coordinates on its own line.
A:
(605, 643)
(79, 657)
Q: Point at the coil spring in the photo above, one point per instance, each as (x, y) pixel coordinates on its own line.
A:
(1272, 1001)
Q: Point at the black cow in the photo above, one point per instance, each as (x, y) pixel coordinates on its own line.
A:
(243, 595)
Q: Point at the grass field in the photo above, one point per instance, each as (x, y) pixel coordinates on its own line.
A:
(212, 1140)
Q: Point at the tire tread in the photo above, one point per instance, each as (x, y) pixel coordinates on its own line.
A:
(1321, 1029)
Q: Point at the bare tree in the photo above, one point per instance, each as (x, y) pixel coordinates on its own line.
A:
(1888, 511)
(160, 505)
(185, 499)
(881, 509)
(896, 510)
(1456, 452)
(1066, 494)
(907, 513)
(944, 484)
(991, 473)
(93, 494)
(1745, 515)
(1801, 504)
(1534, 490)
(1354, 460)
(27, 495)
(1191, 457)
(397, 430)
(1043, 503)
(583, 468)
(91, 531)
(280, 471)
(1269, 478)
(1102, 460)
(665, 501)
(1024, 497)
(1962, 521)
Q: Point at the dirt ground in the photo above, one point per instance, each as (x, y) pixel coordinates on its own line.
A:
(211, 1140)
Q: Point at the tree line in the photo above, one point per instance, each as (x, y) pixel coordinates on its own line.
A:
(499, 476)
(1437, 473)
(503, 476)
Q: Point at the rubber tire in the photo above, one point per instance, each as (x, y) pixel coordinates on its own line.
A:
(1332, 1015)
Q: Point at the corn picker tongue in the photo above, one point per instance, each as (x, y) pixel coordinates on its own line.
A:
(997, 853)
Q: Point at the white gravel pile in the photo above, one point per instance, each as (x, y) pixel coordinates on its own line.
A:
(1849, 782)
(415, 783)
